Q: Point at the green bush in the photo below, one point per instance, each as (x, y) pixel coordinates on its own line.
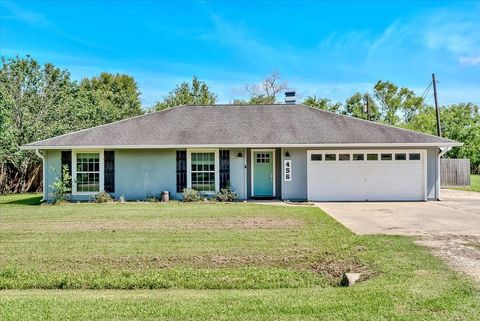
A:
(61, 186)
(102, 197)
(191, 195)
(226, 195)
(153, 198)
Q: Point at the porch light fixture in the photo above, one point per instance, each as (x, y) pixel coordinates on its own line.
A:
(239, 154)
(287, 154)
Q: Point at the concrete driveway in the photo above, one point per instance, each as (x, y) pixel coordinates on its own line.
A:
(450, 227)
(457, 213)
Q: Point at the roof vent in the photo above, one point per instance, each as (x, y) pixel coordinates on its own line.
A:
(290, 97)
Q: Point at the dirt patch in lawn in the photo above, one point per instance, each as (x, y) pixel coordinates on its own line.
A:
(160, 262)
(172, 224)
(461, 252)
(329, 268)
(334, 270)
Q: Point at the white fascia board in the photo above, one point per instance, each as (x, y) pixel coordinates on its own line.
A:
(27, 147)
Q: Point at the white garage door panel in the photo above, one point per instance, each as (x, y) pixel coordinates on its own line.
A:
(365, 180)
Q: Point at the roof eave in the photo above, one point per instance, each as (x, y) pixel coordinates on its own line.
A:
(328, 145)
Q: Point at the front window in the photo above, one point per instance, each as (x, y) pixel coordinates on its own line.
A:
(88, 172)
(203, 171)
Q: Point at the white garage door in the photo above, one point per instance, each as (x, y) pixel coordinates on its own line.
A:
(383, 175)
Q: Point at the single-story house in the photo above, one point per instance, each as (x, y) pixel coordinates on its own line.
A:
(284, 151)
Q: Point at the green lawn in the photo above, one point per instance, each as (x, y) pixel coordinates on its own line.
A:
(474, 184)
(183, 261)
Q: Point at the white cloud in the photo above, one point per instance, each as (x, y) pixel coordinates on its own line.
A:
(24, 15)
(472, 60)
(456, 33)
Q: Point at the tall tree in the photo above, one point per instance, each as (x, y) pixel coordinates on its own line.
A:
(461, 122)
(322, 103)
(38, 102)
(196, 93)
(397, 104)
(107, 98)
(356, 106)
(265, 92)
(33, 105)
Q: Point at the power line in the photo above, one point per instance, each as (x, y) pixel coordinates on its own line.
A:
(424, 95)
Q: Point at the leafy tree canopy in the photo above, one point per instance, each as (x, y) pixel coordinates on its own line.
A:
(322, 103)
(38, 102)
(107, 98)
(358, 104)
(196, 93)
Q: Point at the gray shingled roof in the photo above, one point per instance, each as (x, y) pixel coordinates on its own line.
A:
(240, 125)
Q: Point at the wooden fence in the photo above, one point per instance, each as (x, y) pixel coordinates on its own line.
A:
(454, 172)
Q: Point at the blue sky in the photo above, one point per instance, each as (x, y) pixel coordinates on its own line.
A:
(328, 49)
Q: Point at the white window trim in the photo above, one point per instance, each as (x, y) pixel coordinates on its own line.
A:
(217, 168)
(74, 170)
(252, 169)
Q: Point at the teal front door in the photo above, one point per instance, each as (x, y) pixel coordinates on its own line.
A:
(262, 174)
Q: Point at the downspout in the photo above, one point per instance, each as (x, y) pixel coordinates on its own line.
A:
(42, 157)
(281, 173)
(442, 151)
(245, 172)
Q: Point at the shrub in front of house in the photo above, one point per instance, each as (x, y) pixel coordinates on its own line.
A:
(191, 195)
(153, 198)
(102, 197)
(226, 195)
(61, 187)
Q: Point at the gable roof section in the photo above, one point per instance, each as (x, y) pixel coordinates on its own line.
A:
(240, 125)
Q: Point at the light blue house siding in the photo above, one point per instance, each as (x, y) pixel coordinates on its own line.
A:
(297, 188)
(140, 172)
(52, 165)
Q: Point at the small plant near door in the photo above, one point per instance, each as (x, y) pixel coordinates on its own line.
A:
(191, 195)
(226, 195)
(62, 186)
(102, 197)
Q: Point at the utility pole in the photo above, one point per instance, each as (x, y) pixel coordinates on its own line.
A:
(367, 107)
(434, 82)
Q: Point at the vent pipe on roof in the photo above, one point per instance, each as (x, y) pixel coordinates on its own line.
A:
(290, 97)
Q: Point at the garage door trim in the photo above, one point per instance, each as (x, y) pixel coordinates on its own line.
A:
(423, 160)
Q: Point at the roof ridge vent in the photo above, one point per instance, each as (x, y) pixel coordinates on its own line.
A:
(290, 97)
